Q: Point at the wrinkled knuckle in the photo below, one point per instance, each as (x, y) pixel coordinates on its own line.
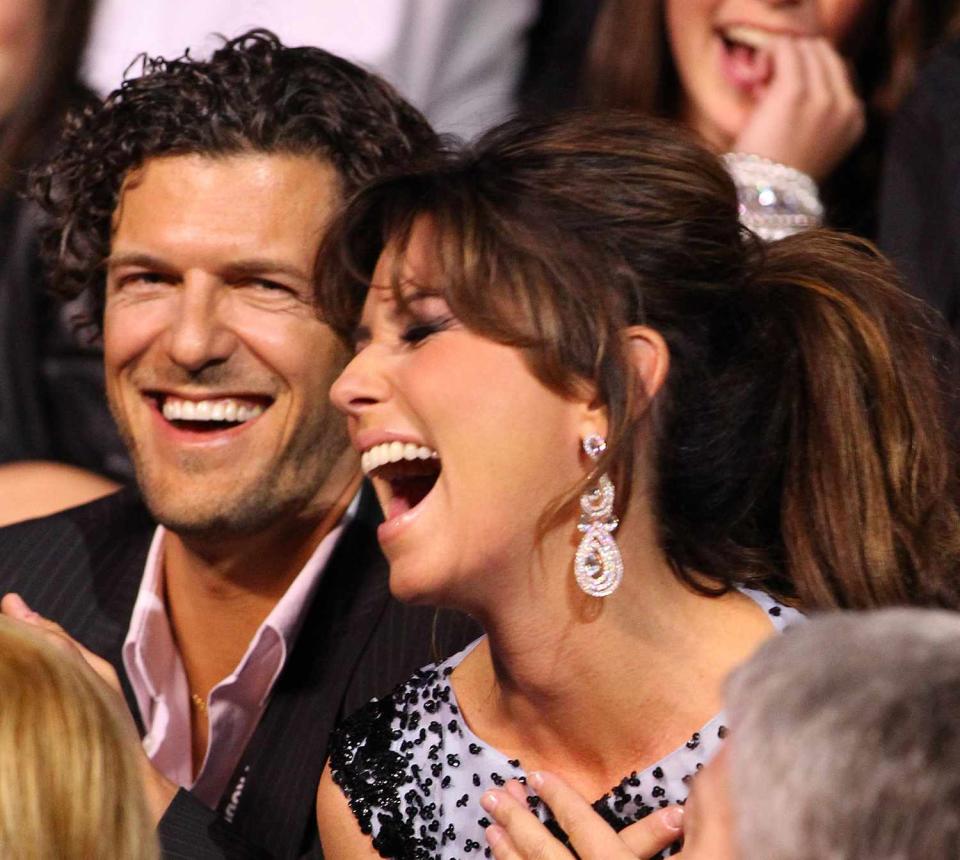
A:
(506, 815)
(541, 851)
(579, 832)
(798, 96)
(824, 102)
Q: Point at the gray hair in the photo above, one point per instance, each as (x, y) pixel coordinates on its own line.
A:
(846, 739)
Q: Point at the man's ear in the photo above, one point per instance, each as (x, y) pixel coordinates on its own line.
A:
(649, 354)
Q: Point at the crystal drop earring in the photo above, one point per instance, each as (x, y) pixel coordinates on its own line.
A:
(598, 564)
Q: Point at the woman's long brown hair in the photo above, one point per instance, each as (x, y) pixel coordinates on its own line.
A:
(799, 443)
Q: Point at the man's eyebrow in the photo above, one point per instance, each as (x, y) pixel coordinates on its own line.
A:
(237, 268)
(135, 258)
(263, 266)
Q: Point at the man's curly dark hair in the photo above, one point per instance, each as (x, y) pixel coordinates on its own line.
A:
(253, 95)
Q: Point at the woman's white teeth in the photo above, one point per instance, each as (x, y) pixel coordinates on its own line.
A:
(209, 410)
(394, 452)
(745, 35)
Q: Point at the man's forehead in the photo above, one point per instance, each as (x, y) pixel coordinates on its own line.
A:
(259, 198)
(215, 167)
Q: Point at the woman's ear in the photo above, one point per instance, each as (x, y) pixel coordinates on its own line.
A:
(649, 354)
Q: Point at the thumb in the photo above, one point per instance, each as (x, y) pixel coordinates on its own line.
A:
(16, 607)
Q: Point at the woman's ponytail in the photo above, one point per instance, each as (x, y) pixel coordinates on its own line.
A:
(869, 497)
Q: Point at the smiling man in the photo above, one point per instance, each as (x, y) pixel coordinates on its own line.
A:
(243, 602)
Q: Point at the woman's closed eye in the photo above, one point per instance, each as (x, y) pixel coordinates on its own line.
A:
(418, 331)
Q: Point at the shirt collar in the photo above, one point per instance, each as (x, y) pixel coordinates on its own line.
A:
(149, 651)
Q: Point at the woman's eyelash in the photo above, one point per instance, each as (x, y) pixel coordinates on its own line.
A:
(421, 330)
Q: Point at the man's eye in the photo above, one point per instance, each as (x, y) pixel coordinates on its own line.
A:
(148, 278)
(420, 331)
(271, 286)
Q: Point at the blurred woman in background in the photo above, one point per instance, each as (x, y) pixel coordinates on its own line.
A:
(52, 405)
(799, 93)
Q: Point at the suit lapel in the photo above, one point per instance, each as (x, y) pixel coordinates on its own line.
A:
(272, 792)
(92, 560)
(118, 554)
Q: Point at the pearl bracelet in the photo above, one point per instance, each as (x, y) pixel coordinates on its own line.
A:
(775, 200)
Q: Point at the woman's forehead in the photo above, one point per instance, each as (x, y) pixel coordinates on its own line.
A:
(411, 262)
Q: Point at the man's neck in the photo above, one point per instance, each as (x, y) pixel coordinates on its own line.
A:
(219, 592)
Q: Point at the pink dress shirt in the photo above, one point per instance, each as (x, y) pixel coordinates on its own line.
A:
(236, 704)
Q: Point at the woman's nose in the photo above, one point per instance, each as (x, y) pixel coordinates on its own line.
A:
(361, 385)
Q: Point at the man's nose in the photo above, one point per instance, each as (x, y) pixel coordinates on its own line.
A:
(200, 335)
(362, 384)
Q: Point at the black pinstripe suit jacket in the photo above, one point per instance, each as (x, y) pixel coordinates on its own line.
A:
(83, 567)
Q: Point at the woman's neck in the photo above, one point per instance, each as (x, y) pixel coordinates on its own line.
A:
(597, 688)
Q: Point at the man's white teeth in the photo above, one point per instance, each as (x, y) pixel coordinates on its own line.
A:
(394, 452)
(745, 35)
(209, 410)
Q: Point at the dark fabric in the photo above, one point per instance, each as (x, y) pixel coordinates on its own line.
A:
(920, 196)
(52, 400)
(187, 817)
(23, 422)
(83, 567)
(556, 51)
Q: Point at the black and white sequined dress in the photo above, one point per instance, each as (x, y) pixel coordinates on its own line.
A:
(413, 771)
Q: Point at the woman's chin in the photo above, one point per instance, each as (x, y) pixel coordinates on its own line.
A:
(409, 583)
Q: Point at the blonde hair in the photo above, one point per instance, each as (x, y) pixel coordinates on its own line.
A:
(70, 787)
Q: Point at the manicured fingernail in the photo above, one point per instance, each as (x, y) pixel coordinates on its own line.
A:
(489, 801)
(494, 834)
(535, 779)
(673, 818)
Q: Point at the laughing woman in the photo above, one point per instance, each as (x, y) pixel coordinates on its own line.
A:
(628, 438)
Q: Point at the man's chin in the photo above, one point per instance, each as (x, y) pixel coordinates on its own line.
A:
(204, 523)
(204, 513)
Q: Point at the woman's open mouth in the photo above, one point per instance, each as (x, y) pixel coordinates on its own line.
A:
(745, 60)
(404, 473)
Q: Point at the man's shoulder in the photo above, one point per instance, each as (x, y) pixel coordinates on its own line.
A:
(120, 514)
(90, 556)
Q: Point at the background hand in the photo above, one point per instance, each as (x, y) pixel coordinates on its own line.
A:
(808, 116)
(519, 835)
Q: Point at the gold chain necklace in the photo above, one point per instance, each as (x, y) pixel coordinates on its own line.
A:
(198, 703)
